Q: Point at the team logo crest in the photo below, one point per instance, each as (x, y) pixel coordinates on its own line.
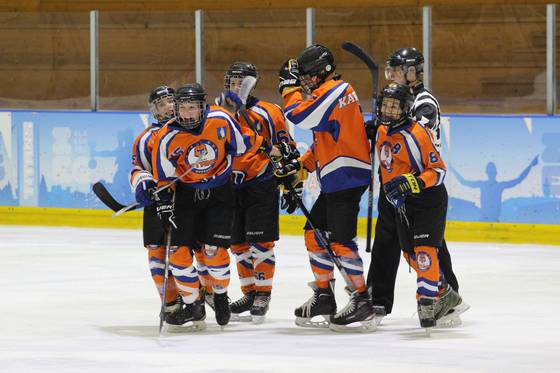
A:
(386, 156)
(202, 156)
(424, 261)
(221, 132)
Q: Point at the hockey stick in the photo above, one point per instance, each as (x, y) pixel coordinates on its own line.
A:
(165, 276)
(104, 196)
(374, 70)
(246, 87)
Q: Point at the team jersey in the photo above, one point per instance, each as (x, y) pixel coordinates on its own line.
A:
(206, 152)
(409, 150)
(340, 149)
(425, 111)
(268, 120)
(142, 153)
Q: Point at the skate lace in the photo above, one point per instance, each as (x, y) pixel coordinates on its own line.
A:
(242, 301)
(306, 307)
(349, 308)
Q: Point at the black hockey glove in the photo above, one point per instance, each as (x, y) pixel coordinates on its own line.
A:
(288, 77)
(371, 129)
(289, 200)
(165, 208)
(286, 168)
(402, 186)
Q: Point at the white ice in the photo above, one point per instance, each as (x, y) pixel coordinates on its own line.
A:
(82, 300)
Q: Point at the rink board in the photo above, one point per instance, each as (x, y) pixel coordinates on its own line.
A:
(289, 225)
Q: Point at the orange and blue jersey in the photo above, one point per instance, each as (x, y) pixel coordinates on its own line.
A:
(268, 120)
(340, 147)
(206, 151)
(142, 152)
(409, 150)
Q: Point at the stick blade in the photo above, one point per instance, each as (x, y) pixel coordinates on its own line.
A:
(359, 52)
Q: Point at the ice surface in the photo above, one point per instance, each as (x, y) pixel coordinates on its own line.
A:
(82, 300)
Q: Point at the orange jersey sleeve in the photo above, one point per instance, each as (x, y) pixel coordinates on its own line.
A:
(142, 154)
(409, 150)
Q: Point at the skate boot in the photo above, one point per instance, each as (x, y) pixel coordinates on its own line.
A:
(322, 303)
(222, 312)
(242, 305)
(357, 316)
(260, 306)
(379, 311)
(448, 308)
(186, 318)
(427, 313)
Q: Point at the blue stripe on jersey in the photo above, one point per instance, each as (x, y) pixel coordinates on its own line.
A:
(344, 178)
(298, 119)
(268, 120)
(160, 171)
(413, 162)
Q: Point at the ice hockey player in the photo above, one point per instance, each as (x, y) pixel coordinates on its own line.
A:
(197, 147)
(412, 173)
(161, 104)
(255, 224)
(340, 155)
(404, 66)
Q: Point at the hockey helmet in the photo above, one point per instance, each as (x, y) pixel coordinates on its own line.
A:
(161, 104)
(394, 105)
(190, 105)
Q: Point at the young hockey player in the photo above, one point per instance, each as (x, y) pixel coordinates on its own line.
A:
(197, 147)
(255, 223)
(404, 66)
(161, 104)
(412, 173)
(340, 155)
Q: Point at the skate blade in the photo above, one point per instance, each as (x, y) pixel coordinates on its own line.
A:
(378, 319)
(305, 322)
(239, 317)
(428, 331)
(190, 327)
(452, 319)
(366, 326)
(258, 319)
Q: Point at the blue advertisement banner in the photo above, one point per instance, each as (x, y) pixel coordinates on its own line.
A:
(500, 168)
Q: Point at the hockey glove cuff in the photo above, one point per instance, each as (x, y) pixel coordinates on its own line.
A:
(402, 186)
(144, 186)
(288, 77)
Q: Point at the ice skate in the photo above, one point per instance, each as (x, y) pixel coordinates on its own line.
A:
(222, 310)
(207, 297)
(186, 318)
(357, 316)
(427, 313)
(379, 311)
(240, 309)
(449, 308)
(260, 306)
(322, 303)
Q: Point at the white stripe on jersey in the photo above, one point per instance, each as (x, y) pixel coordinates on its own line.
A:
(343, 162)
(235, 130)
(263, 113)
(142, 150)
(414, 149)
(166, 165)
(314, 118)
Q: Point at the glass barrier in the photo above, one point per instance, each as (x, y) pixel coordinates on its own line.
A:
(380, 31)
(44, 61)
(489, 59)
(139, 51)
(264, 37)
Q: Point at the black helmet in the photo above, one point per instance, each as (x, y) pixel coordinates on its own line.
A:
(157, 95)
(240, 70)
(195, 94)
(316, 61)
(403, 95)
(406, 57)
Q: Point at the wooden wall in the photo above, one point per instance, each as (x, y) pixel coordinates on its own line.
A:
(485, 58)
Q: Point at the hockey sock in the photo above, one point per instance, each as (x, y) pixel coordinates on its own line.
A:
(321, 263)
(203, 275)
(245, 270)
(217, 261)
(425, 263)
(352, 262)
(264, 262)
(156, 261)
(184, 272)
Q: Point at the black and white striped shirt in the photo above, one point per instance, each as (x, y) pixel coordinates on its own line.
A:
(425, 111)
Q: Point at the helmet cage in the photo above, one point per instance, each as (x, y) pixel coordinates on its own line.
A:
(190, 122)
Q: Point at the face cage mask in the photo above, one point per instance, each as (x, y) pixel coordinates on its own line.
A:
(161, 118)
(418, 69)
(390, 121)
(191, 123)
